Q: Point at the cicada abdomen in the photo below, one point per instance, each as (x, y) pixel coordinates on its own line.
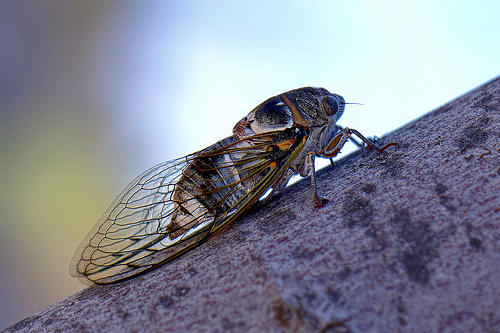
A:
(176, 205)
(227, 178)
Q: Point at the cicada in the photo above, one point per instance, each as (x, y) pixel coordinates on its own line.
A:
(177, 205)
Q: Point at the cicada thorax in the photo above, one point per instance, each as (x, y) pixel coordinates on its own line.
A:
(223, 177)
(314, 110)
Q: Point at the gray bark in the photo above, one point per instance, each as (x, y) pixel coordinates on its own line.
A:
(408, 241)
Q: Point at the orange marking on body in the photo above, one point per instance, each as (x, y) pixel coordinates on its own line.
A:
(297, 118)
(284, 145)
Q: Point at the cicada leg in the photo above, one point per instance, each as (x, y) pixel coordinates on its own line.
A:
(318, 202)
(334, 147)
(370, 143)
(344, 134)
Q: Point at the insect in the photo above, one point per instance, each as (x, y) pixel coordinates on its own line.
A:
(176, 205)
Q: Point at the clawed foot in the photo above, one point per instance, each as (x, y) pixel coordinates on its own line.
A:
(319, 202)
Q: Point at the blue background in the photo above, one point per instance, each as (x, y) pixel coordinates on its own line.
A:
(92, 93)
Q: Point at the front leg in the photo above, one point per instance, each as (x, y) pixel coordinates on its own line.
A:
(318, 202)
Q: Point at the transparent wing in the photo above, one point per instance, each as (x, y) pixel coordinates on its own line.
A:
(176, 205)
(132, 229)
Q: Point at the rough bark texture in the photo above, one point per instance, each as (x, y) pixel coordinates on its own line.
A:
(409, 241)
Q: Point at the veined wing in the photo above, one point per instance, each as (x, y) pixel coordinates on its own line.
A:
(176, 205)
(131, 227)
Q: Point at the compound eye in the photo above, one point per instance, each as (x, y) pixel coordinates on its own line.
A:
(330, 104)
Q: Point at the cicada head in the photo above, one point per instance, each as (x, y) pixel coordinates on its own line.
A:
(308, 107)
(315, 107)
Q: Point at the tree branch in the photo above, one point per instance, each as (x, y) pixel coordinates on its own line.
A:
(409, 240)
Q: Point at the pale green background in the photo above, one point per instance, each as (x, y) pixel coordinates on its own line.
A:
(92, 93)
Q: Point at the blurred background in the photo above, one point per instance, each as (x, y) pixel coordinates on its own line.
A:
(92, 93)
